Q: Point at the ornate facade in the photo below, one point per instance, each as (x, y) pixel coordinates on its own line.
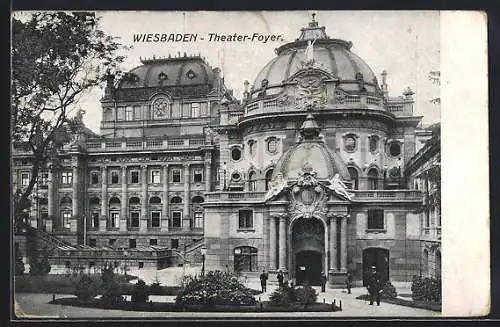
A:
(304, 175)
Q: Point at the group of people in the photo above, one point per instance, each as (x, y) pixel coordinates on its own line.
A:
(373, 283)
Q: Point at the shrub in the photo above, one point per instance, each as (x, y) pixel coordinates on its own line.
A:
(140, 293)
(215, 287)
(111, 290)
(426, 289)
(306, 295)
(85, 288)
(283, 296)
(155, 287)
(388, 291)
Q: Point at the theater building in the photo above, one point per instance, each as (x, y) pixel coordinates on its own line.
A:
(305, 174)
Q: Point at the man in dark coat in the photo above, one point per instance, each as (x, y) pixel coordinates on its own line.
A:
(348, 282)
(323, 282)
(263, 281)
(280, 278)
(374, 285)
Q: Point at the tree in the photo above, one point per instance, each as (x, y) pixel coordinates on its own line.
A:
(85, 288)
(18, 261)
(111, 290)
(56, 58)
(435, 78)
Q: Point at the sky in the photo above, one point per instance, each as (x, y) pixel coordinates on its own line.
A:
(405, 44)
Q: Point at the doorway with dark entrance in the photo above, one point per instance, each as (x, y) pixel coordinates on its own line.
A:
(308, 267)
(379, 258)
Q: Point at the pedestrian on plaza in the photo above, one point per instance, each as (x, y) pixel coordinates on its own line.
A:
(263, 280)
(348, 282)
(280, 278)
(323, 282)
(374, 286)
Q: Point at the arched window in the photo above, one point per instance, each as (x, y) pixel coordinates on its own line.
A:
(176, 200)
(155, 200)
(134, 200)
(245, 258)
(94, 211)
(66, 201)
(269, 175)
(197, 200)
(114, 213)
(425, 263)
(252, 182)
(354, 177)
(373, 179)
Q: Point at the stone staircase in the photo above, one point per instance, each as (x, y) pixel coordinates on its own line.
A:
(50, 240)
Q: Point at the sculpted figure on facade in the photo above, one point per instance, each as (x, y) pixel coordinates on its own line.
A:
(339, 188)
(276, 186)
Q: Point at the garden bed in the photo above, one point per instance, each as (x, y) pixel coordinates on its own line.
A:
(172, 307)
(433, 306)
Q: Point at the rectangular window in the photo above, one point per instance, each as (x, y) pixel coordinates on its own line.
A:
(176, 175)
(129, 113)
(132, 243)
(155, 176)
(134, 177)
(67, 177)
(114, 177)
(44, 179)
(44, 215)
(186, 108)
(134, 219)
(195, 110)
(94, 178)
(94, 220)
(112, 241)
(198, 175)
(245, 218)
(176, 219)
(198, 219)
(25, 179)
(120, 113)
(66, 215)
(137, 112)
(141, 264)
(153, 241)
(155, 219)
(376, 219)
(115, 220)
(92, 242)
(174, 243)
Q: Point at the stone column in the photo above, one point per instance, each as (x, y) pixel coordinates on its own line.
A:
(208, 176)
(343, 243)
(143, 223)
(272, 243)
(333, 243)
(185, 214)
(282, 243)
(76, 198)
(164, 215)
(124, 201)
(104, 200)
(50, 202)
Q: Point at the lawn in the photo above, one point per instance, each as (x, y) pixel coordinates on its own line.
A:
(66, 284)
(172, 307)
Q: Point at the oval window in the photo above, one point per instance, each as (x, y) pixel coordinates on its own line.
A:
(236, 154)
(236, 176)
(350, 143)
(395, 149)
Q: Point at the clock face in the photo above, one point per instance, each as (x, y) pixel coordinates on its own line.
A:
(160, 107)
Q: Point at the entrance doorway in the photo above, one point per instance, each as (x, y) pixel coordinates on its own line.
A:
(379, 258)
(308, 267)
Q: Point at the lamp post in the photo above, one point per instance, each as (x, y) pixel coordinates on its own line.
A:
(203, 253)
(224, 169)
(385, 176)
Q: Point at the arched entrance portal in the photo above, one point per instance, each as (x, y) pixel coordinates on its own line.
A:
(308, 244)
(379, 258)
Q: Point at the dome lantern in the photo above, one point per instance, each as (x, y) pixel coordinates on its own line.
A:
(310, 128)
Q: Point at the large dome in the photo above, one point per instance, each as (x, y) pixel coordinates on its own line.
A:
(178, 71)
(331, 55)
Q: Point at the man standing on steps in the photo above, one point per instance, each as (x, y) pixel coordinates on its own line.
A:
(280, 278)
(374, 285)
(263, 281)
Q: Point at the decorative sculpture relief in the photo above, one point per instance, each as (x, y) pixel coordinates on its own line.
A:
(311, 93)
(339, 188)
